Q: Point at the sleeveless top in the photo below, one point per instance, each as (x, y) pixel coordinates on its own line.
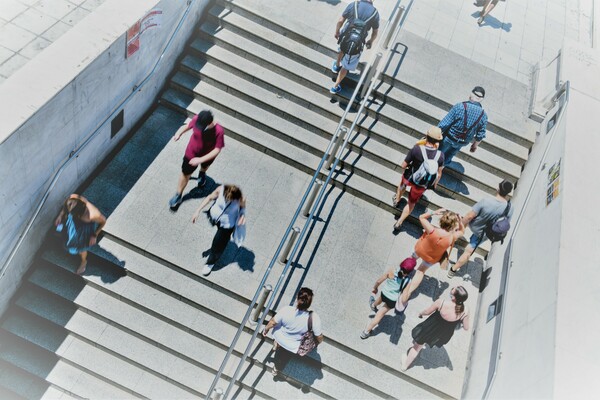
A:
(435, 330)
(431, 246)
(224, 212)
(391, 288)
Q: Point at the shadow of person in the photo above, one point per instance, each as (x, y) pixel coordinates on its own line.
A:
(432, 358)
(493, 22)
(108, 270)
(391, 324)
(430, 287)
(200, 192)
(244, 257)
(302, 372)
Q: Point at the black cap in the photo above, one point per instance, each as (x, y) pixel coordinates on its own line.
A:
(478, 91)
(205, 118)
(504, 188)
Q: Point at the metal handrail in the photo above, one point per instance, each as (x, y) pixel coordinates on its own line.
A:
(373, 63)
(74, 153)
(565, 93)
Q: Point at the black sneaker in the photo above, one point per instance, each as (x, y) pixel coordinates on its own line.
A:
(175, 200)
(201, 180)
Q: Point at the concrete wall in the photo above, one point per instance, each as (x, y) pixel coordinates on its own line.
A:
(63, 95)
(551, 304)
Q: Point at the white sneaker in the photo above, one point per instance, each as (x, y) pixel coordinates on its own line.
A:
(207, 269)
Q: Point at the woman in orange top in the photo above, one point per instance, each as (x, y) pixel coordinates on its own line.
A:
(432, 247)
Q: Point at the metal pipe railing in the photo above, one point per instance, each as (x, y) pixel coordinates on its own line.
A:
(498, 339)
(342, 132)
(83, 145)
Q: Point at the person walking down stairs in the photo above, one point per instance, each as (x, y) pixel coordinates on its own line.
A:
(437, 330)
(291, 326)
(391, 284)
(228, 214)
(206, 142)
(351, 33)
(81, 222)
(434, 245)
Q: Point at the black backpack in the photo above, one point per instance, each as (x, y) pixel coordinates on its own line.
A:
(352, 40)
(497, 229)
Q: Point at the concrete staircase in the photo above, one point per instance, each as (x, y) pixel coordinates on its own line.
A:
(159, 330)
(269, 85)
(156, 330)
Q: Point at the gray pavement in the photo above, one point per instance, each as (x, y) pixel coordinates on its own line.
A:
(27, 27)
(350, 245)
(515, 36)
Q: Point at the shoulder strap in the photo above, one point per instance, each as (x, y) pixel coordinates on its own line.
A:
(506, 210)
(310, 321)
(356, 9)
(372, 15)
(222, 212)
(465, 129)
(426, 157)
(424, 153)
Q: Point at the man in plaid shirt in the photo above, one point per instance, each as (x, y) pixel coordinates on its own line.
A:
(465, 122)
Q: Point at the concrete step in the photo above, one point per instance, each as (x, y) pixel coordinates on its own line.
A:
(18, 384)
(289, 89)
(58, 372)
(211, 35)
(335, 366)
(381, 163)
(184, 328)
(113, 355)
(521, 132)
(132, 341)
(294, 29)
(334, 358)
(283, 150)
(268, 38)
(414, 106)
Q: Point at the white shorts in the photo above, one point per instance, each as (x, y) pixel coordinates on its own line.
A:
(350, 62)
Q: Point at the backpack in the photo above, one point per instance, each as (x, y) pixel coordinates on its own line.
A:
(497, 229)
(426, 174)
(352, 40)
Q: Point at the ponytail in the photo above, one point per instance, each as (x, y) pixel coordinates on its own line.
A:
(460, 296)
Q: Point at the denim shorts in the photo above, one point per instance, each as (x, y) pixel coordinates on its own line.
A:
(476, 240)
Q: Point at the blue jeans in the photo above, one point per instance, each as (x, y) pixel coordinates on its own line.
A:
(450, 147)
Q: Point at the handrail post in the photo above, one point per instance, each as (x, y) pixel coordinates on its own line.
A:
(217, 394)
(260, 304)
(311, 199)
(283, 257)
(338, 141)
(371, 74)
(388, 37)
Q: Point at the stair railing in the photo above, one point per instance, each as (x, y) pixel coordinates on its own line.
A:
(372, 71)
(562, 96)
(75, 152)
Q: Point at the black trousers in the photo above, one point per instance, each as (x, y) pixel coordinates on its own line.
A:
(281, 358)
(219, 243)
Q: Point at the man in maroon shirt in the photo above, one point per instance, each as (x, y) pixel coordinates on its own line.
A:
(204, 146)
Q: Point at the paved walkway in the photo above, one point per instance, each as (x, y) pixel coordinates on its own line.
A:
(515, 36)
(29, 26)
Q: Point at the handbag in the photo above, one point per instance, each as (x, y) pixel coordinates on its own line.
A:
(211, 220)
(308, 341)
